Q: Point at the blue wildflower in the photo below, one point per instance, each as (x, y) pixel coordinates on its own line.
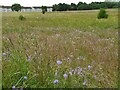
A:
(59, 62)
(4, 54)
(29, 58)
(95, 76)
(65, 76)
(56, 81)
(89, 67)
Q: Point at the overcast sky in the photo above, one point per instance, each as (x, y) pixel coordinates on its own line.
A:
(42, 2)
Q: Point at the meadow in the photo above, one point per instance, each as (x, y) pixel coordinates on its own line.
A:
(60, 50)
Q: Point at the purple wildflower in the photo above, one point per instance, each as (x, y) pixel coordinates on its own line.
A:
(80, 68)
(89, 67)
(65, 76)
(95, 76)
(78, 73)
(29, 58)
(4, 54)
(21, 88)
(56, 81)
(59, 62)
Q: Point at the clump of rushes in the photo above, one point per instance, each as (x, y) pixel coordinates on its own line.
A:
(102, 14)
(21, 17)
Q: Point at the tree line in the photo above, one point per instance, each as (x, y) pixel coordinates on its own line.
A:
(85, 6)
(73, 6)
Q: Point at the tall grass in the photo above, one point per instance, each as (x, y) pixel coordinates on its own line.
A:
(86, 46)
(1, 51)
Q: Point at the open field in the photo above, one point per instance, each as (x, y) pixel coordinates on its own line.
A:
(86, 46)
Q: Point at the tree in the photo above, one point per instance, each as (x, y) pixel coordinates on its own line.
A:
(85, 6)
(79, 3)
(16, 7)
(95, 5)
(61, 7)
(44, 9)
(102, 14)
(73, 6)
(55, 7)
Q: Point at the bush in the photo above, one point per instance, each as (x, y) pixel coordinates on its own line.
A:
(102, 14)
(16, 7)
(21, 17)
(44, 9)
(43, 12)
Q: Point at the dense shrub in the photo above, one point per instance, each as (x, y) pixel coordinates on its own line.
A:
(21, 17)
(44, 9)
(43, 12)
(102, 14)
(16, 7)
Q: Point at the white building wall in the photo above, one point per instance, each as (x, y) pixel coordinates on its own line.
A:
(37, 10)
(25, 10)
(4, 9)
(0, 9)
(22, 10)
(49, 9)
(9, 10)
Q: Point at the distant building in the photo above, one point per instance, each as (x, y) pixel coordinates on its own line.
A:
(49, 9)
(25, 9)
(5, 8)
(0, 8)
(37, 9)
